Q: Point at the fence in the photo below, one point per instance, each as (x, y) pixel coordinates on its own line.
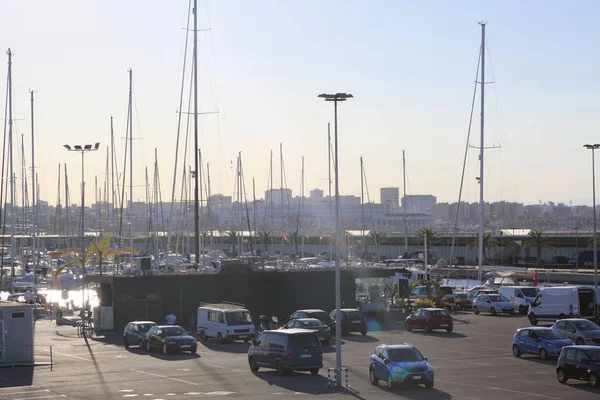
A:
(27, 355)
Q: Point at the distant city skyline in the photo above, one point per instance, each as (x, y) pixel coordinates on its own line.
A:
(409, 65)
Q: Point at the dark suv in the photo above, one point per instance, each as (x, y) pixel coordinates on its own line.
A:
(287, 350)
(312, 313)
(352, 321)
(579, 362)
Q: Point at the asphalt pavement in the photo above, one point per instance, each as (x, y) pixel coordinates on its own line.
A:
(473, 362)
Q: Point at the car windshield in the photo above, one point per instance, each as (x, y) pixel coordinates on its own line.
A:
(585, 325)
(550, 334)
(238, 318)
(529, 291)
(354, 315)
(441, 313)
(304, 341)
(143, 328)
(173, 331)
(405, 354)
(321, 316)
(594, 355)
(310, 322)
(497, 297)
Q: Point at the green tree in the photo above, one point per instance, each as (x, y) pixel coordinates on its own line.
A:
(232, 238)
(100, 251)
(539, 241)
(377, 238)
(265, 238)
(488, 243)
(430, 234)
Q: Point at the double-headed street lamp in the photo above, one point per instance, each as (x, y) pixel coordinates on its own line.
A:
(335, 98)
(593, 147)
(83, 149)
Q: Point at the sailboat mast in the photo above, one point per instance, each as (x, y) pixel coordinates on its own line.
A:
(68, 244)
(302, 207)
(12, 184)
(208, 206)
(196, 146)
(271, 199)
(281, 196)
(130, 206)
(405, 203)
(33, 202)
(112, 175)
(329, 172)
(481, 150)
(201, 210)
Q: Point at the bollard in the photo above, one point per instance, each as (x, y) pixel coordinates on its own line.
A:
(335, 375)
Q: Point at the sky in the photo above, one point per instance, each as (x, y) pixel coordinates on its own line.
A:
(411, 67)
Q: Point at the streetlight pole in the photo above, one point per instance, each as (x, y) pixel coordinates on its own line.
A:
(594, 147)
(83, 149)
(338, 321)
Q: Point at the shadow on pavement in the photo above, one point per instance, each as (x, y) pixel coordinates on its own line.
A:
(297, 382)
(536, 359)
(360, 338)
(172, 356)
(233, 348)
(16, 376)
(582, 385)
(417, 392)
(440, 334)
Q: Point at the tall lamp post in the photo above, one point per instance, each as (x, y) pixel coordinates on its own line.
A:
(82, 149)
(594, 147)
(335, 98)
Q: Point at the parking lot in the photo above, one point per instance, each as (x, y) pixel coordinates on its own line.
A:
(473, 362)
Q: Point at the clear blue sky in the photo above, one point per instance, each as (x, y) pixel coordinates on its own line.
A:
(410, 65)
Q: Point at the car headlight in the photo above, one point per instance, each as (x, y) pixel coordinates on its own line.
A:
(429, 368)
(398, 370)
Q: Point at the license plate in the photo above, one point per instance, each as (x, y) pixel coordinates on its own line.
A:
(444, 325)
(417, 377)
(356, 322)
(185, 347)
(305, 356)
(243, 336)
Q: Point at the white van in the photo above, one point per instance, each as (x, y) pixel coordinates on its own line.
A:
(520, 296)
(559, 302)
(224, 321)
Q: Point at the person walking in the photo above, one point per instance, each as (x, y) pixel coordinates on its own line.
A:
(171, 319)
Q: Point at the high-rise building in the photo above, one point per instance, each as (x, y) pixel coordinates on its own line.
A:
(277, 195)
(390, 197)
(418, 203)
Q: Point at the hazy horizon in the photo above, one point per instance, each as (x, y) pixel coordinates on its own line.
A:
(410, 66)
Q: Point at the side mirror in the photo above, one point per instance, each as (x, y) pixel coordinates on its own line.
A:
(275, 320)
(425, 358)
(386, 361)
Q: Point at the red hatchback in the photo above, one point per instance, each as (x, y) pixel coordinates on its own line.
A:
(429, 319)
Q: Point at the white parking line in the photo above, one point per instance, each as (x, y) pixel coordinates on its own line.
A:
(524, 381)
(42, 397)
(168, 377)
(27, 392)
(227, 368)
(68, 355)
(501, 389)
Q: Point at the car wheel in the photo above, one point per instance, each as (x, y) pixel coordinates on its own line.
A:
(126, 343)
(220, 338)
(429, 385)
(253, 365)
(561, 376)
(533, 319)
(141, 344)
(314, 371)
(580, 341)
(543, 354)
(516, 351)
(165, 350)
(407, 326)
(280, 368)
(475, 310)
(193, 349)
(246, 340)
(364, 333)
(493, 311)
(372, 378)
(203, 337)
(148, 346)
(427, 327)
(326, 342)
(390, 382)
(449, 330)
(594, 380)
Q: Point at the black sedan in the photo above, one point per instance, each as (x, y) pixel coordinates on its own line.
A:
(353, 320)
(313, 324)
(170, 338)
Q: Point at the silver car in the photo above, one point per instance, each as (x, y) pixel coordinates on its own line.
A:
(494, 303)
(580, 331)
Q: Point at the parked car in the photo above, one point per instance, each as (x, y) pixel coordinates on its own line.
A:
(580, 331)
(135, 333)
(312, 313)
(170, 338)
(323, 330)
(579, 362)
(429, 319)
(520, 296)
(400, 363)
(560, 302)
(545, 342)
(286, 350)
(462, 301)
(473, 293)
(352, 321)
(224, 321)
(494, 303)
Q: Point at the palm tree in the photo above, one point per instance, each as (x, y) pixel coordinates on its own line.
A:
(430, 234)
(265, 238)
(591, 240)
(100, 251)
(539, 241)
(232, 236)
(377, 238)
(488, 243)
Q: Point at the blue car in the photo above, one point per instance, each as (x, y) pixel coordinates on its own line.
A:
(545, 342)
(135, 333)
(400, 363)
